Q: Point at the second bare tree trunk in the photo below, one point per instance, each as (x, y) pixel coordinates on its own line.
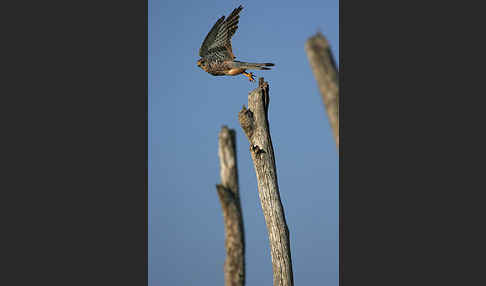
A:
(324, 69)
(228, 193)
(254, 122)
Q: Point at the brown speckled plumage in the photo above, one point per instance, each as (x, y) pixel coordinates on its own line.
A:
(216, 52)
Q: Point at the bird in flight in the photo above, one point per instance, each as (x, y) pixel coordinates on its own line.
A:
(216, 53)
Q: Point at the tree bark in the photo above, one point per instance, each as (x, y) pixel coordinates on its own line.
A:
(325, 72)
(234, 265)
(254, 122)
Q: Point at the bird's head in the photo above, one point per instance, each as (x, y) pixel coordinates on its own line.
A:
(202, 63)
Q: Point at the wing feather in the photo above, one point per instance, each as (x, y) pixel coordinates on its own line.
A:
(210, 37)
(220, 36)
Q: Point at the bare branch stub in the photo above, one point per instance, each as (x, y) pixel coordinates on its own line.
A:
(255, 124)
(245, 116)
(228, 193)
(326, 74)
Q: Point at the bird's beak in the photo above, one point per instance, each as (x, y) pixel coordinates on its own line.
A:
(198, 63)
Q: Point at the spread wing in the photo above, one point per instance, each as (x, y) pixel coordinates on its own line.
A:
(218, 40)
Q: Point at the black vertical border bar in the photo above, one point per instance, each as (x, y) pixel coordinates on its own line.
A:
(75, 143)
(146, 141)
(402, 225)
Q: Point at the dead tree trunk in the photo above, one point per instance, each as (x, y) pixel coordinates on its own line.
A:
(234, 266)
(254, 122)
(324, 69)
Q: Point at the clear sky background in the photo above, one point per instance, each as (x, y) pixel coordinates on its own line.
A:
(187, 108)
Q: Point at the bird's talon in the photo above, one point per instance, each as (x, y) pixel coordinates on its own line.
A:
(249, 75)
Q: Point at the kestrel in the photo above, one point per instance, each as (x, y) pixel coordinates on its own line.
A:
(216, 54)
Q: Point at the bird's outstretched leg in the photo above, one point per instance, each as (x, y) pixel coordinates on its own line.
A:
(249, 75)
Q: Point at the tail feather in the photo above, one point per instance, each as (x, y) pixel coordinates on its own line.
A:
(254, 66)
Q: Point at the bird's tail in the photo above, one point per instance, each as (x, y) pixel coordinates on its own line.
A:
(254, 66)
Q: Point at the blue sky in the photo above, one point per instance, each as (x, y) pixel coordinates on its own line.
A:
(187, 108)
